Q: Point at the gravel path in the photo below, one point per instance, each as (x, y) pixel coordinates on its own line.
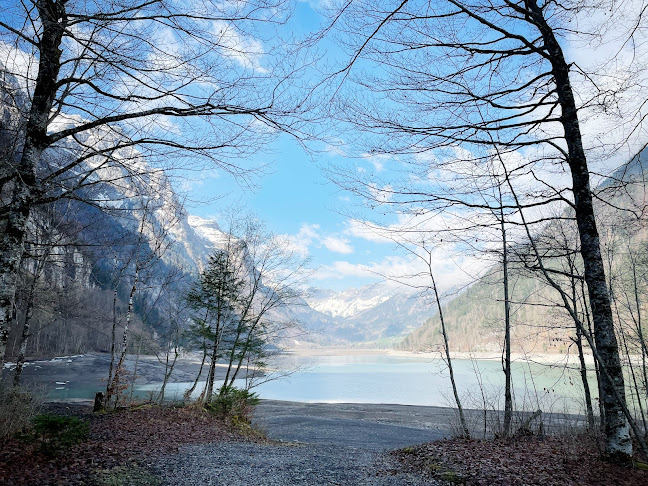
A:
(320, 444)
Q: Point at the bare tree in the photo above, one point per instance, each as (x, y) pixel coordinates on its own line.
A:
(423, 252)
(149, 247)
(456, 78)
(107, 83)
(274, 275)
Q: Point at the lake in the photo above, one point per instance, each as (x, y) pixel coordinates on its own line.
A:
(413, 380)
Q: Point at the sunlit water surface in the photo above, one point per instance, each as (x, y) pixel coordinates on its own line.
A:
(415, 381)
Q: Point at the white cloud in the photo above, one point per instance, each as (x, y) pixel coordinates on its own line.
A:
(337, 245)
(373, 233)
(342, 269)
(377, 160)
(310, 234)
(336, 147)
(304, 239)
(318, 5)
(381, 194)
(409, 270)
(245, 50)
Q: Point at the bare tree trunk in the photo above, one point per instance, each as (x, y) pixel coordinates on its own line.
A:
(579, 345)
(583, 374)
(113, 338)
(168, 370)
(612, 392)
(134, 378)
(190, 391)
(122, 357)
(239, 365)
(446, 348)
(24, 338)
(11, 249)
(13, 222)
(596, 363)
(508, 399)
(239, 331)
(22, 350)
(209, 385)
(245, 353)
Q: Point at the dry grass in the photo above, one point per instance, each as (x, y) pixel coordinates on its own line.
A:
(18, 407)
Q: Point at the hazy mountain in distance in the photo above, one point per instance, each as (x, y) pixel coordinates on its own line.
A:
(381, 314)
(377, 314)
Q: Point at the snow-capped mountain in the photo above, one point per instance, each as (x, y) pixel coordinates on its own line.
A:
(373, 313)
(209, 230)
(350, 302)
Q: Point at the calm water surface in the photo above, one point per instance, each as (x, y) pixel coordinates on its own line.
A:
(416, 381)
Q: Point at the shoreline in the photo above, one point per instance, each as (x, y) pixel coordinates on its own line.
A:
(541, 358)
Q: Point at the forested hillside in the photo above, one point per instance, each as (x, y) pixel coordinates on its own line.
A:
(540, 322)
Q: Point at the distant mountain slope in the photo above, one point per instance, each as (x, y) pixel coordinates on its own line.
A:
(350, 302)
(377, 313)
(475, 318)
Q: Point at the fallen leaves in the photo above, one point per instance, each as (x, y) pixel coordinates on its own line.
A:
(123, 438)
(552, 461)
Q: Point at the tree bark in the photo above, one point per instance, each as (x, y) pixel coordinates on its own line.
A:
(583, 374)
(446, 348)
(579, 344)
(24, 183)
(508, 399)
(189, 392)
(168, 369)
(122, 357)
(24, 338)
(111, 368)
(617, 429)
(209, 385)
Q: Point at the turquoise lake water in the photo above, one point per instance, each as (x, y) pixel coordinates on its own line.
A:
(417, 381)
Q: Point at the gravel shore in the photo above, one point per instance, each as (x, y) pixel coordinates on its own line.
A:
(282, 465)
(316, 444)
(311, 443)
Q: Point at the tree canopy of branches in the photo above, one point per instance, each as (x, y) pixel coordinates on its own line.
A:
(450, 87)
(239, 303)
(103, 84)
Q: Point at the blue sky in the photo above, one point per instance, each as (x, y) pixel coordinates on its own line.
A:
(296, 199)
